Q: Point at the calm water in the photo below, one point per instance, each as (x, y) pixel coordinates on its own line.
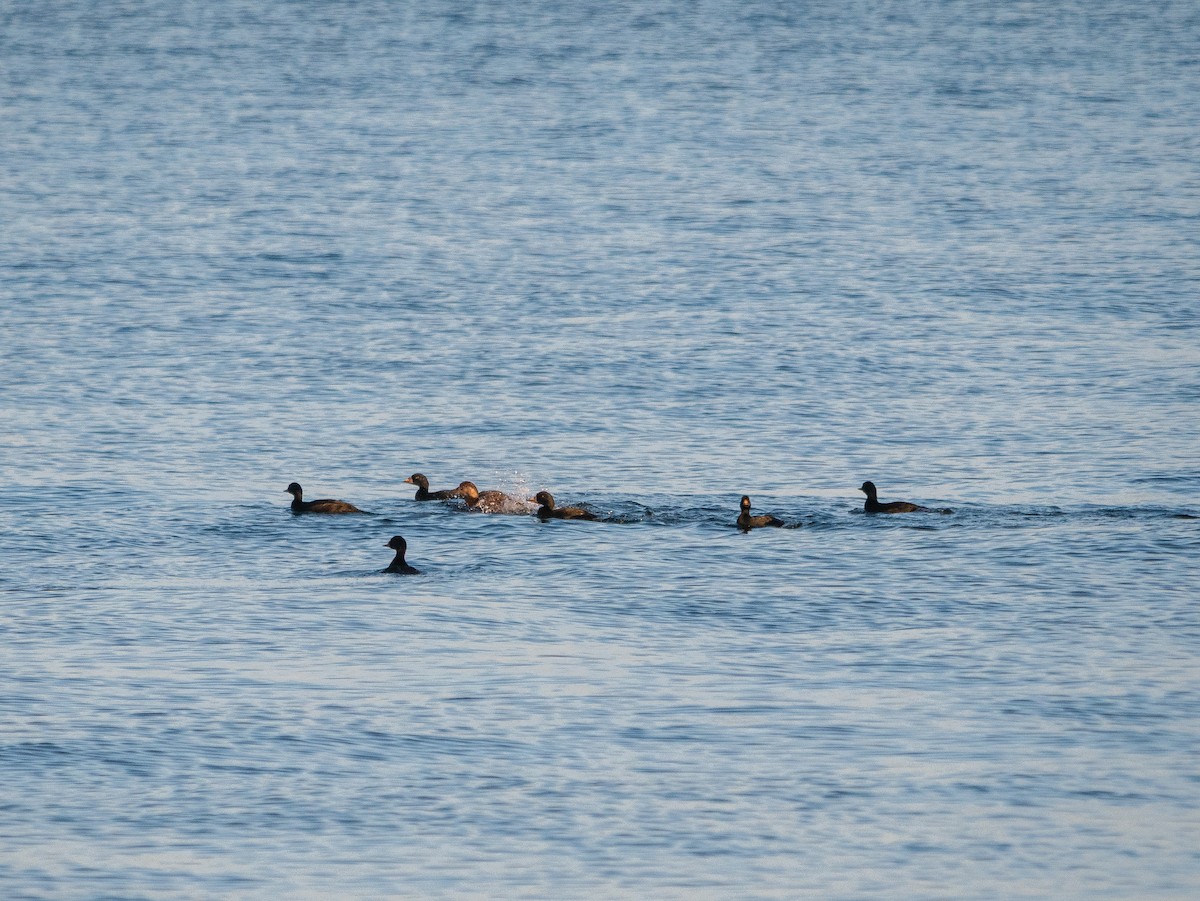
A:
(649, 256)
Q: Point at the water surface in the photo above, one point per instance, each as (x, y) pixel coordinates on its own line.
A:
(650, 257)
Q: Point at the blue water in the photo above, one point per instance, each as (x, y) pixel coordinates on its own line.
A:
(650, 257)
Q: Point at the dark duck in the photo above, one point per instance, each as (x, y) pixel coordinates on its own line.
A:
(874, 505)
(423, 492)
(746, 522)
(547, 509)
(323, 505)
(399, 564)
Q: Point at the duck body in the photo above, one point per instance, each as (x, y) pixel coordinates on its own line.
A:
(322, 505)
(489, 501)
(423, 492)
(746, 522)
(548, 510)
(874, 505)
(399, 564)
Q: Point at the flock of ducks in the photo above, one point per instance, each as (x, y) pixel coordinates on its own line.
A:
(499, 502)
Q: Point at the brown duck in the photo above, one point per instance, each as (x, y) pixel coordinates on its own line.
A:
(323, 505)
(423, 492)
(548, 510)
(746, 522)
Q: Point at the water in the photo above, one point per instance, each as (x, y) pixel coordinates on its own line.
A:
(650, 257)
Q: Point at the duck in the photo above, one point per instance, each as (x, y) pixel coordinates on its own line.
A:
(874, 505)
(399, 564)
(547, 510)
(423, 492)
(489, 501)
(746, 522)
(323, 505)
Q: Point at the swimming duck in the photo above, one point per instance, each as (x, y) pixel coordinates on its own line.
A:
(399, 564)
(324, 505)
(547, 510)
(873, 504)
(489, 501)
(746, 522)
(423, 492)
